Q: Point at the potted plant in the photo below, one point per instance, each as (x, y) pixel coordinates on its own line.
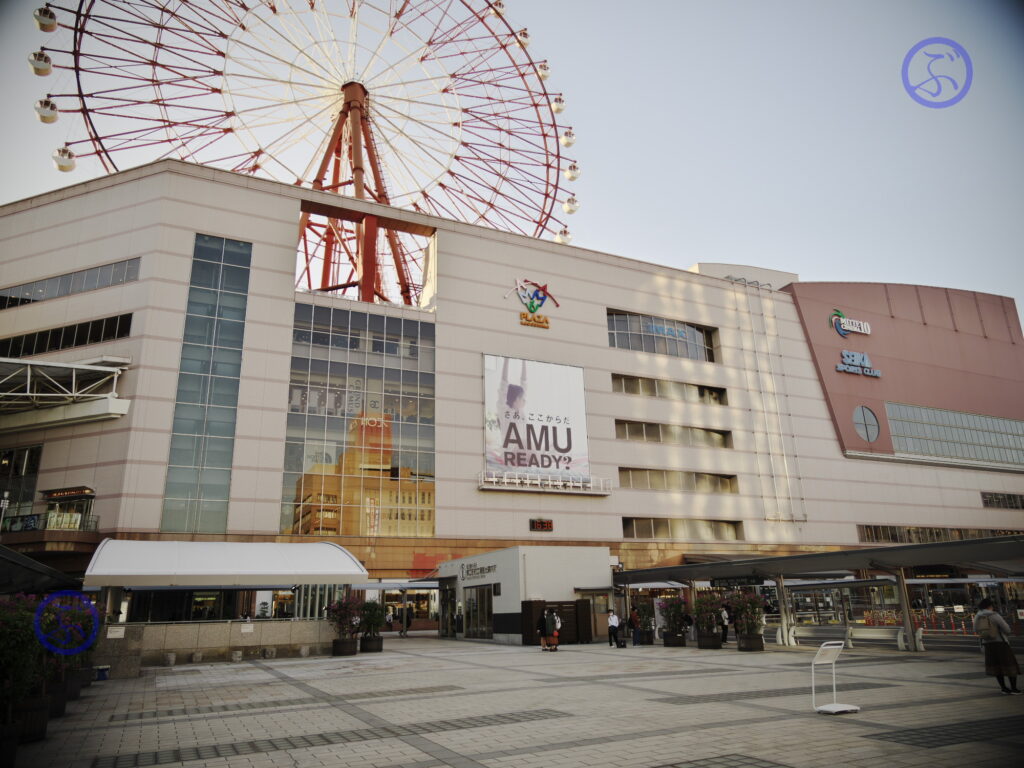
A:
(19, 657)
(344, 617)
(674, 611)
(707, 611)
(31, 703)
(748, 615)
(372, 619)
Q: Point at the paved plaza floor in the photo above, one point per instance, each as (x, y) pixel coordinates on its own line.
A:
(427, 702)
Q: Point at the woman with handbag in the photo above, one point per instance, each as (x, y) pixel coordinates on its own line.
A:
(1000, 662)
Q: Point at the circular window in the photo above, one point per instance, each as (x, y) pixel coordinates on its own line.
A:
(866, 423)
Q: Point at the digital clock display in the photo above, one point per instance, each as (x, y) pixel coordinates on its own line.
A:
(538, 524)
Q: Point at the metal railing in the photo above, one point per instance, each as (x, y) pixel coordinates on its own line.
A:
(50, 521)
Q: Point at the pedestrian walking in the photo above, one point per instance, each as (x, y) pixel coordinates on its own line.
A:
(1000, 662)
(723, 620)
(613, 627)
(407, 615)
(634, 624)
(542, 630)
(554, 628)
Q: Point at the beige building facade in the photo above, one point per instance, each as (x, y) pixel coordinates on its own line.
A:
(542, 394)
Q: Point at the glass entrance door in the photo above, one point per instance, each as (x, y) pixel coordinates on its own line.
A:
(447, 607)
(479, 616)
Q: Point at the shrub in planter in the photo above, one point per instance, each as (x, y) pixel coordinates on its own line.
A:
(748, 616)
(20, 661)
(677, 621)
(371, 615)
(707, 609)
(345, 616)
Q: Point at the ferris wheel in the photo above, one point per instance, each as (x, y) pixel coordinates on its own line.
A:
(431, 105)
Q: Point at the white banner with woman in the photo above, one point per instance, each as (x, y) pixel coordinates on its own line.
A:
(536, 418)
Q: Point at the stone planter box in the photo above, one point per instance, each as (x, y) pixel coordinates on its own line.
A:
(371, 644)
(675, 641)
(346, 646)
(750, 643)
(710, 642)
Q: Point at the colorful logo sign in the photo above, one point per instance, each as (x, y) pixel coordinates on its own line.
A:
(534, 296)
(845, 325)
(67, 622)
(937, 72)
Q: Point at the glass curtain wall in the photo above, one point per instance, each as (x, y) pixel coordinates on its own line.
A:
(202, 446)
(359, 458)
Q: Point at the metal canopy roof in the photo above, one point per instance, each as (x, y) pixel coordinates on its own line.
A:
(1003, 554)
(140, 564)
(30, 384)
(19, 573)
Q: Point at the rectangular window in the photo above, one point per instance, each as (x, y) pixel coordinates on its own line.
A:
(900, 534)
(681, 529)
(671, 479)
(667, 389)
(661, 336)
(70, 283)
(78, 335)
(955, 435)
(672, 434)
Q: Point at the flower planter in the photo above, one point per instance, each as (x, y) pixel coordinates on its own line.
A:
(58, 693)
(345, 646)
(73, 684)
(33, 716)
(87, 676)
(8, 745)
(709, 641)
(675, 641)
(371, 644)
(750, 643)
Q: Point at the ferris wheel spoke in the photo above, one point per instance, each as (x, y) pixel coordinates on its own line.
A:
(428, 150)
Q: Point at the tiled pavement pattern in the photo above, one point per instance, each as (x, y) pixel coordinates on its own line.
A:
(427, 703)
(270, 704)
(763, 693)
(726, 761)
(955, 733)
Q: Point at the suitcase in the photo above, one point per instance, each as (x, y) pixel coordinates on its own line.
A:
(620, 643)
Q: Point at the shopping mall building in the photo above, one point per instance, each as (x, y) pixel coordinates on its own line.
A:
(163, 379)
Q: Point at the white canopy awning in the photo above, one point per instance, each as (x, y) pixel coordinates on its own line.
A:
(126, 563)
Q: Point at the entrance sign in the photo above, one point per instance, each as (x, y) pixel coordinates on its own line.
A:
(535, 419)
(827, 654)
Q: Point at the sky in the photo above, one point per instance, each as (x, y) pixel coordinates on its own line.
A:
(776, 134)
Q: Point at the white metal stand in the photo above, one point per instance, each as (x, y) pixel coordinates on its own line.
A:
(827, 654)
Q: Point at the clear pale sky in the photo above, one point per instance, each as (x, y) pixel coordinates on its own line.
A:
(776, 134)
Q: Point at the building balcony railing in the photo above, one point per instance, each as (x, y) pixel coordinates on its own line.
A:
(50, 521)
(528, 481)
